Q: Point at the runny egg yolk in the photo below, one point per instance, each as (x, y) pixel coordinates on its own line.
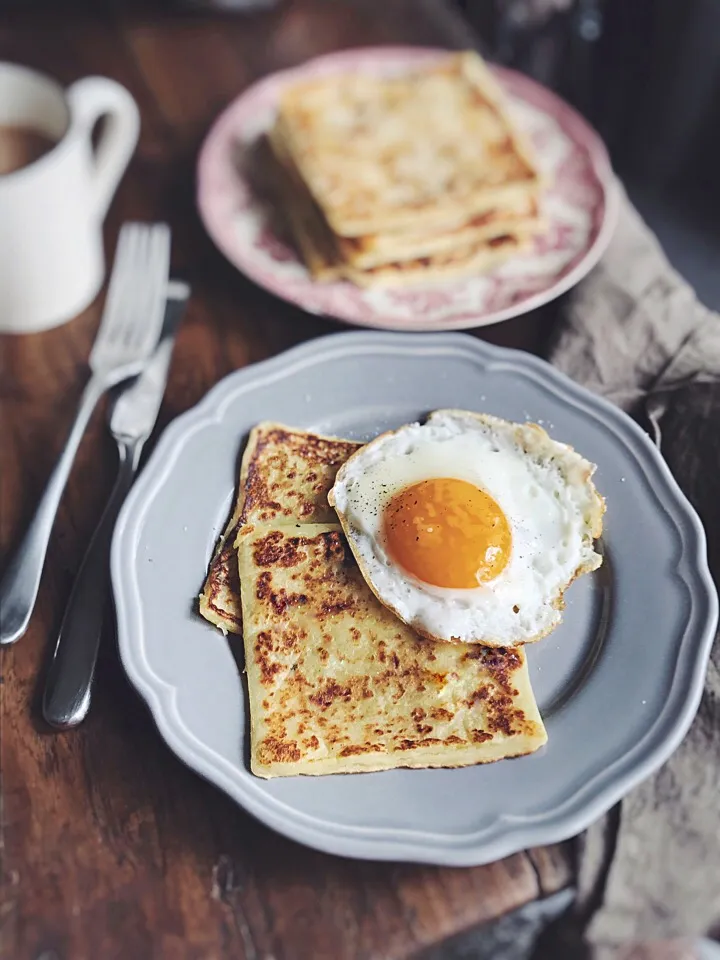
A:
(447, 533)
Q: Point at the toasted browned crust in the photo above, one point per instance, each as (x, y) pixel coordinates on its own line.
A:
(285, 475)
(329, 258)
(338, 684)
(558, 602)
(333, 171)
(370, 251)
(401, 252)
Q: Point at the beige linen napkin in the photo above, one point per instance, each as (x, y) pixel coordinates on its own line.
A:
(634, 331)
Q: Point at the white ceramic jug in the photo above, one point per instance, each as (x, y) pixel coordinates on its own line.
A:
(51, 210)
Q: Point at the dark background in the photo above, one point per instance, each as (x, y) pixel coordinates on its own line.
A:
(646, 73)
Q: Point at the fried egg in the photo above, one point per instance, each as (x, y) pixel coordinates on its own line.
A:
(470, 528)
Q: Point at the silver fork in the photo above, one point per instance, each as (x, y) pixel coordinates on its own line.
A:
(128, 332)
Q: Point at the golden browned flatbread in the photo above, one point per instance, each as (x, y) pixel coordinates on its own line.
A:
(384, 153)
(375, 250)
(322, 254)
(519, 216)
(285, 476)
(466, 261)
(338, 685)
(314, 240)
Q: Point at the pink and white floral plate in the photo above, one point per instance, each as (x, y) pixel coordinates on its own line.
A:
(580, 207)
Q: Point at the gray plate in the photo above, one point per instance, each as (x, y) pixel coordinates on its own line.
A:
(618, 683)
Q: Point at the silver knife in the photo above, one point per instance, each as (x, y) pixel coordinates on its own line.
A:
(69, 680)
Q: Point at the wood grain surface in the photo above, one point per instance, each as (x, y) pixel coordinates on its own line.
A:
(111, 848)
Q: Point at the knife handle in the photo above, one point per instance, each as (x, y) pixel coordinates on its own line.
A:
(70, 675)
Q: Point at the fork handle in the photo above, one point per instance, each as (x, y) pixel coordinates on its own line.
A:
(19, 585)
(70, 675)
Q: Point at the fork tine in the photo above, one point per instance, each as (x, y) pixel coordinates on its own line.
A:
(158, 248)
(135, 300)
(125, 255)
(123, 289)
(133, 312)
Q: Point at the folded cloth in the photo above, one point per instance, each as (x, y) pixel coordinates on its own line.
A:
(634, 332)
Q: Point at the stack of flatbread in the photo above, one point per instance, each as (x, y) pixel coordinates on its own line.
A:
(404, 179)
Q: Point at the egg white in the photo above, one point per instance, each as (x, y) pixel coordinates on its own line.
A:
(544, 489)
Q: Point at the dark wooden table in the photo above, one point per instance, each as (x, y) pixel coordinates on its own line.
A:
(111, 847)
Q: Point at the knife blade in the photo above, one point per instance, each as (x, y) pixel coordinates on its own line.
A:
(136, 408)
